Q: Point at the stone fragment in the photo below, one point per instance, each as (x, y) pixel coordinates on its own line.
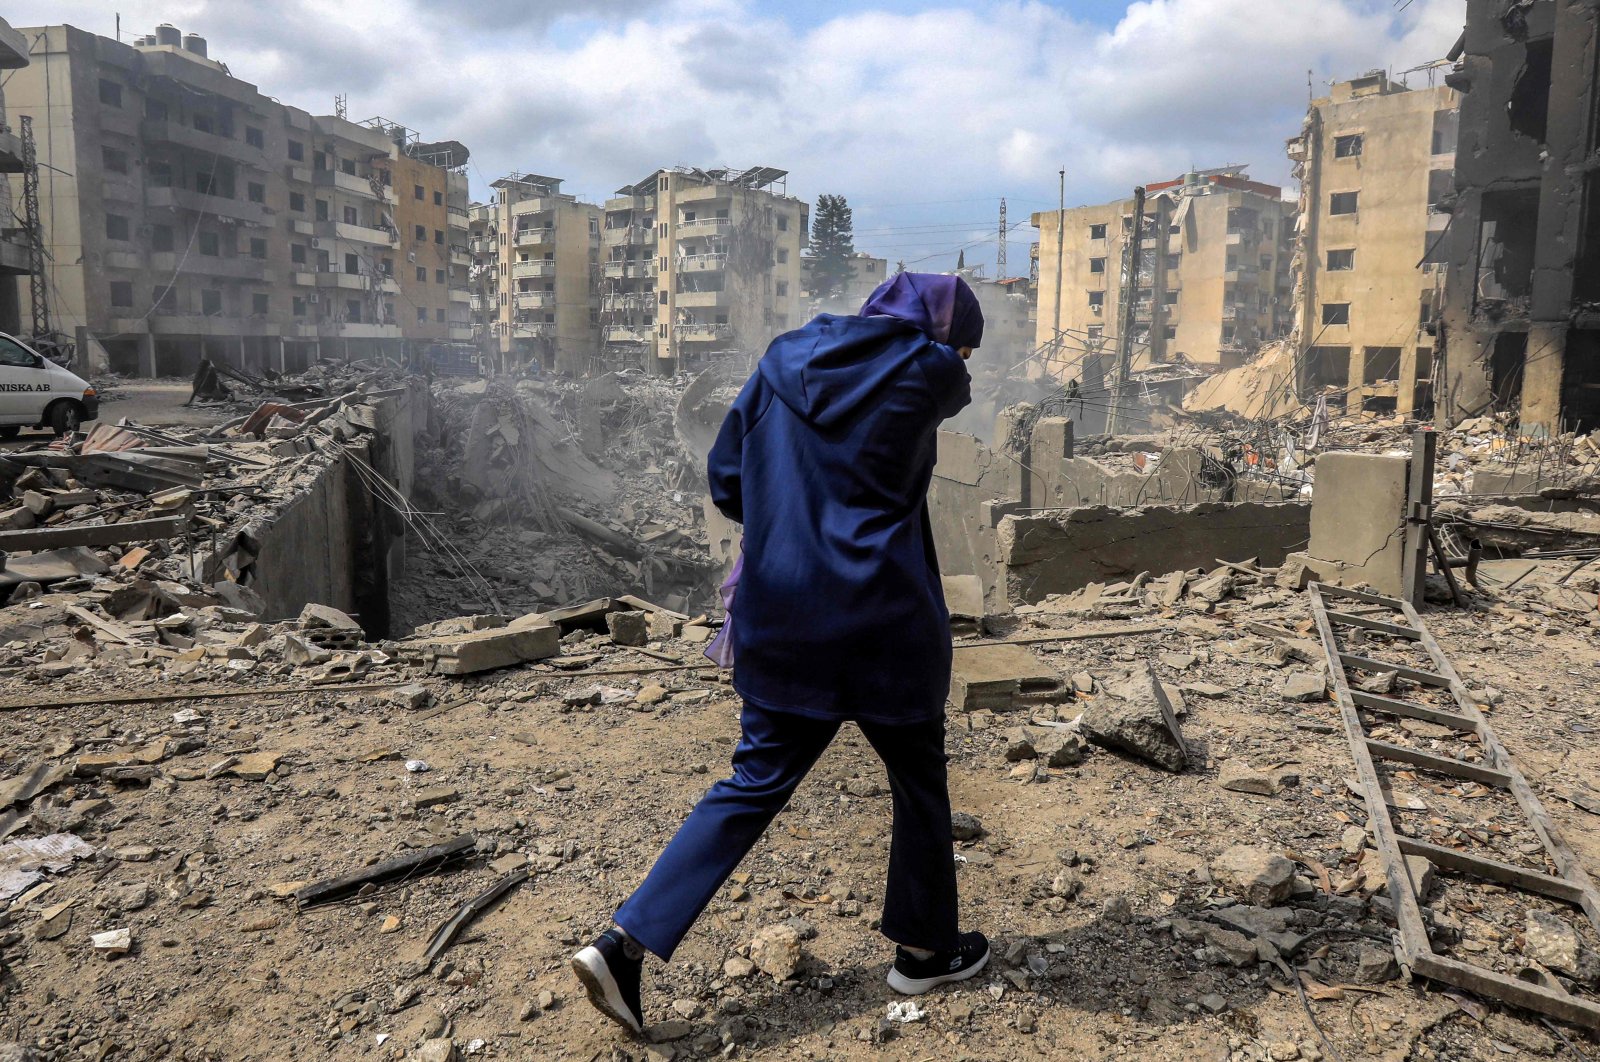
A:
(989, 677)
(1229, 946)
(1255, 875)
(439, 1049)
(314, 617)
(738, 967)
(255, 766)
(1554, 942)
(697, 633)
(1082, 682)
(650, 694)
(628, 628)
(663, 626)
(965, 827)
(776, 951)
(433, 796)
(1135, 717)
(1383, 682)
(1019, 745)
(1203, 689)
(411, 696)
(112, 941)
(671, 1029)
(1239, 777)
(1375, 965)
(1304, 686)
(1353, 840)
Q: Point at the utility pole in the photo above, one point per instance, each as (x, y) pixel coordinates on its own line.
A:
(1128, 296)
(35, 230)
(1061, 239)
(1000, 255)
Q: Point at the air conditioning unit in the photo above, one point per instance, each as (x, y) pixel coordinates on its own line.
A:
(315, 242)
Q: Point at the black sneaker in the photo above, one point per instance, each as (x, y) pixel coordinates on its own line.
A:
(609, 969)
(911, 976)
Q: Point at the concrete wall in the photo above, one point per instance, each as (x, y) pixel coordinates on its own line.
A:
(1063, 551)
(1358, 521)
(970, 482)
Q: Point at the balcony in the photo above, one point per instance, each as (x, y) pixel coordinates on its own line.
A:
(624, 303)
(702, 333)
(705, 227)
(10, 152)
(299, 172)
(340, 230)
(344, 182)
(701, 263)
(238, 267)
(301, 227)
(461, 333)
(701, 299)
(177, 323)
(358, 330)
(457, 216)
(626, 334)
(532, 329)
(533, 236)
(461, 295)
(122, 188)
(1244, 274)
(220, 206)
(536, 205)
(533, 300)
(123, 260)
(460, 256)
(167, 131)
(361, 282)
(14, 256)
(533, 269)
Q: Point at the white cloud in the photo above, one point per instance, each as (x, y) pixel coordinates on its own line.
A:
(962, 101)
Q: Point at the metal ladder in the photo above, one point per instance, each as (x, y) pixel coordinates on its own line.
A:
(1572, 885)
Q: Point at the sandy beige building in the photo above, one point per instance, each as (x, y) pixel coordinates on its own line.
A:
(1374, 161)
(867, 272)
(1212, 274)
(541, 297)
(698, 264)
(15, 317)
(187, 214)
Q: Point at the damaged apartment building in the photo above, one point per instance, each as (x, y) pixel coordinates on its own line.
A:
(1211, 275)
(1521, 331)
(188, 215)
(699, 263)
(1375, 162)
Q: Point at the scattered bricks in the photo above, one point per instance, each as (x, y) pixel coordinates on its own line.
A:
(315, 616)
(299, 652)
(37, 504)
(466, 654)
(1134, 717)
(989, 677)
(413, 696)
(628, 628)
(19, 518)
(1255, 875)
(334, 639)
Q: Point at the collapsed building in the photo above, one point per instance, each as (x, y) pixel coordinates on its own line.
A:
(1518, 333)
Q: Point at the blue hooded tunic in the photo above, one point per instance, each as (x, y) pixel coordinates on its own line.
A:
(826, 457)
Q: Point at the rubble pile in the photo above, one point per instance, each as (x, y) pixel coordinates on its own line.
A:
(554, 492)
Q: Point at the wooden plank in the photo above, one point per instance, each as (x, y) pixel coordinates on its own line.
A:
(1377, 667)
(1413, 711)
(113, 630)
(1329, 590)
(1525, 994)
(1384, 750)
(43, 538)
(1408, 913)
(165, 695)
(1393, 629)
(401, 867)
(1493, 870)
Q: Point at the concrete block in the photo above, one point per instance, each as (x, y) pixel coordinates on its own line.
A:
(466, 654)
(990, 676)
(628, 628)
(1358, 519)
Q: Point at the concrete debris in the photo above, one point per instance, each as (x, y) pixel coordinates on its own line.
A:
(1134, 716)
(1553, 941)
(467, 654)
(1255, 875)
(776, 951)
(992, 677)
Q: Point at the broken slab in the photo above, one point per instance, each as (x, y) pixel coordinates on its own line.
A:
(1256, 875)
(467, 654)
(989, 677)
(1358, 520)
(1135, 716)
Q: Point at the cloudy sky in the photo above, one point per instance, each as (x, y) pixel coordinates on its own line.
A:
(922, 114)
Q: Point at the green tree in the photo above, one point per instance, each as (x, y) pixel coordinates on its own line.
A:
(832, 244)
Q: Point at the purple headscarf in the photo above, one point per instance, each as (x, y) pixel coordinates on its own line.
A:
(940, 305)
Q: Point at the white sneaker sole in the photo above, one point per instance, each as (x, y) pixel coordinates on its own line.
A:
(916, 986)
(592, 971)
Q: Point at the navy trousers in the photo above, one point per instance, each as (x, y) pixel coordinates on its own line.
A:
(775, 751)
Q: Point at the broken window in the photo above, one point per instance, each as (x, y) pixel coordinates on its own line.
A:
(161, 238)
(1528, 109)
(297, 151)
(210, 244)
(258, 248)
(1446, 125)
(1328, 367)
(110, 93)
(1440, 184)
(116, 227)
(1097, 232)
(1341, 260)
(1343, 202)
(260, 303)
(1506, 239)
(211, 303)
(417, 192)
(352, 311)
(1348, 146)
(1580, 381)
(297, 305)
(297, 202)
(1380, 364)
(1505, 369)
(352, 263)
(1097, 300)
(122, 293)
(322, 210)
(1586, 262)
(256, 193)
(352, 216)
(1097, 265)
(1336, 313)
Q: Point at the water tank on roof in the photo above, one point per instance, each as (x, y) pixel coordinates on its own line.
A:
(167, 33)
(193, 42)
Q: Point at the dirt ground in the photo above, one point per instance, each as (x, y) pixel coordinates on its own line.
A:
(1082, 878)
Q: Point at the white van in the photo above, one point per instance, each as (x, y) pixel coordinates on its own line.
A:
(35, 392)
